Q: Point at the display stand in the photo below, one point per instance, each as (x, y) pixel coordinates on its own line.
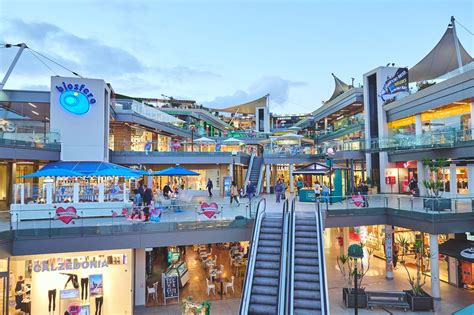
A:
(170, 286)
(69, 300)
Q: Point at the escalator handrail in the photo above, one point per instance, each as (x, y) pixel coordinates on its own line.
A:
(247, 287)
(283, 261)
(322, 264)
(291, 259)
(260, 179)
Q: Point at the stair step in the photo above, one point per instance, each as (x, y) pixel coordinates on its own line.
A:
(306, 262)
(302, 304)
(267, 265)
(306, 254)
(307, 269)
(270, 300)
(266, 273)
(270, 230)
(307, 286)
(306, 234)
(255, 308)
(265, 290)
(268, 257)
(269, 250)
(270, 237)
(308, 228)
(306, 246)
(271, 243)
(266, 281)
(304, 277)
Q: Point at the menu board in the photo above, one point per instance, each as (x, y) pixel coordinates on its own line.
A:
(171, 287)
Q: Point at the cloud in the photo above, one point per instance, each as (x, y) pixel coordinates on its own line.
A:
(89, 57)
(277, 87)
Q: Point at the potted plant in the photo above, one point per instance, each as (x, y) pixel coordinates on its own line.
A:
(418, 299)
(346, 266)
(435, 187)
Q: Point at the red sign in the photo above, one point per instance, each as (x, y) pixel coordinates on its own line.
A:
(390, 180)
(407, 164)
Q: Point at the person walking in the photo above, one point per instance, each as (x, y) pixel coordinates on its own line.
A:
(167, 190)
(283, 189)
(209, 187)
(234, 193)
(317, 191)
(326, 192)
(250, 190)
(413, 186)
(299, 185)
(278, 189)
(147, 195)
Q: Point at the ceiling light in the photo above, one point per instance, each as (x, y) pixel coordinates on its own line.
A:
(31, 104)
(36, 113)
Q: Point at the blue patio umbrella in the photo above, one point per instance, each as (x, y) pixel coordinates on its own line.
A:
(120, 172)
(53, 172)
(176, 171)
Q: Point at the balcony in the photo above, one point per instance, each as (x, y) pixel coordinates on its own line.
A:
(346, 129)
(29, 144)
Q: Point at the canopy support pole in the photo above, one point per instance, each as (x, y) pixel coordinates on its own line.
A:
(456, 45)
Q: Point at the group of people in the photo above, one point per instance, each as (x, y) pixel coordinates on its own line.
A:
(143, 195)
(280, 189)
(321, 190)
(235, 193)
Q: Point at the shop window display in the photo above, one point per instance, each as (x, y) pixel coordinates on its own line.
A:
(92, 283)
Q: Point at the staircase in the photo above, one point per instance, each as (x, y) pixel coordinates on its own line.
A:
(254, 173)
(264, 294)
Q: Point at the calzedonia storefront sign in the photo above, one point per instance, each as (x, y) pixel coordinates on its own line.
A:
(75, 98)
(68, 266)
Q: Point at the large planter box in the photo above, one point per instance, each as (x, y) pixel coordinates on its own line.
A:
(420, 303)
(437, 204)
(349, 298)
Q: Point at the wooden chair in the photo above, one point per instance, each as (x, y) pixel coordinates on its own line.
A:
(151, 291)
(229, 285)
(210, 286)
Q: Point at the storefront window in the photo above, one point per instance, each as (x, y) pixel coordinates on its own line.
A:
(73, 283)
(461, 180)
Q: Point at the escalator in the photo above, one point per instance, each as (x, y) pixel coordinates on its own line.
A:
(307, 288)
(264, 287)
(255, 173)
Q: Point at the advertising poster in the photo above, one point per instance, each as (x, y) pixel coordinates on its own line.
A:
(394, 85)
(96, 285)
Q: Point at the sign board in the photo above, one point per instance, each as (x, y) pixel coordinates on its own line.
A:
(170, 287)
(69, 294)
(395, 85)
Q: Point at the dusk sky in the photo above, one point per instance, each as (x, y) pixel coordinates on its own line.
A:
(222, 53)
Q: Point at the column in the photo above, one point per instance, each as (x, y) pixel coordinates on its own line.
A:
(49, 193)
(140, 274)
(325, 123)
(22, 194)
(125, 197)
(292, 180)
(267, 177)
(434, 267)
(420, 169)
(453, 181)
(75, 193)
(231, 171)
(470, 179)
(418, 129)
(472, 120)
(101, 192)
(345, 240)
(388, 252)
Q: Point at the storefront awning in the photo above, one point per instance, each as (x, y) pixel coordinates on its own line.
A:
(313, 169)
(459, 249)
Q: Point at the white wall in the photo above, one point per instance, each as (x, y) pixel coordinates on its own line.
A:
(84, 137)
(140, 281)
(117, 281)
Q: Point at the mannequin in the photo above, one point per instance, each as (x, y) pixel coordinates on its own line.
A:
(73, 279)
(52, 298)
(84, 288)
(99, 300)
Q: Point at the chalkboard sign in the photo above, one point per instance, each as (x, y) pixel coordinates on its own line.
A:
(170, 287)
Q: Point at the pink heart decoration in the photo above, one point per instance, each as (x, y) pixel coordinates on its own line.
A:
(209, 210)
(66, 215)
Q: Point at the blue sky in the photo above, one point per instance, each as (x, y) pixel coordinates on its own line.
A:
(224, 52)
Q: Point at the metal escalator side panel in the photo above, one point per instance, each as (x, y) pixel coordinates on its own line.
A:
(322, 264)
(247, 287)
(282, 301)
(249, 169)
(291, 255)
(260, 179)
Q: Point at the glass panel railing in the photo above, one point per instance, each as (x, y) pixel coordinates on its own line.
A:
(30, 137)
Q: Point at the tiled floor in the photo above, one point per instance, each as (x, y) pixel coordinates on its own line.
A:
(196, 287)
(218, 307)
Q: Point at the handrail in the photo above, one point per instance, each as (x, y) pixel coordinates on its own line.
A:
(291, 259)
(260, 179)
(322, 265)
(247, 287)
(249, 169)
(283, 261)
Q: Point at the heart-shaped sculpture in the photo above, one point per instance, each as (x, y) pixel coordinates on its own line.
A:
(209, 210)
(66, 215)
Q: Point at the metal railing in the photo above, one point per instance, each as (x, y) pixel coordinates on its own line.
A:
(31, 138)
(248, 282)
(282, 301)
(323, 287)
(291, 260)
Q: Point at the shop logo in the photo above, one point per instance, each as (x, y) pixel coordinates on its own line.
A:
(66, 215)
(69, 265)
(75, 98)
(209, 210)
(468, 253)
(7, 127)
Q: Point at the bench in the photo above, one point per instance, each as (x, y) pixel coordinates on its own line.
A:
(387, 299)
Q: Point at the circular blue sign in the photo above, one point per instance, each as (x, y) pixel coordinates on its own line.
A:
(74, 102)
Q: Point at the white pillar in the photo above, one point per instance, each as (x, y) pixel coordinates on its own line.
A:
(75, 193)
(267, 177)
(434, 267)
(231, 170)
(418, 125)
(472, 119)
(140, 263)
(453, 181)
(420, 169)
(325, 123)
(125, 193)
(22, 194)
(15, 193)
(101, 192)
(292, 179)
(388, 252)
(470, 179)
(345, 240)
(49, 193)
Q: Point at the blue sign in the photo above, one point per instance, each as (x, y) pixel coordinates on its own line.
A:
(75, 98)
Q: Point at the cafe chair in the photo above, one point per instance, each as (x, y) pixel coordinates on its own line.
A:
(151, 291)
(210, 287)
(229, 285)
